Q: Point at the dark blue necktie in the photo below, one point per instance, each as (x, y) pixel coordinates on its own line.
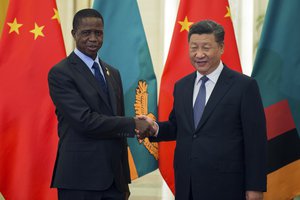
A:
(200, 102)
(99, 77)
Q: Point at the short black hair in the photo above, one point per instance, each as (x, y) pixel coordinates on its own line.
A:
(88, 12)
(208, 27)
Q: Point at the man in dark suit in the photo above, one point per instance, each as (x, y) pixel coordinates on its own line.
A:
(92, 160)
(219, 126)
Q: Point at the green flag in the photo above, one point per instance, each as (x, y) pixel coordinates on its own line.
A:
(277, 70)
(125, 47)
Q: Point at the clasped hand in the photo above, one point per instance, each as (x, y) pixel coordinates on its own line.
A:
(144, 127)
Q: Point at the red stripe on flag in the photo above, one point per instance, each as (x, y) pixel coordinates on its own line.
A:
(279, 119)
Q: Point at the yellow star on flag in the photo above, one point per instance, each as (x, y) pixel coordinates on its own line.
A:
(185, 25)
(37, 31)
(56, 15)
(228, 14)
(14, 27)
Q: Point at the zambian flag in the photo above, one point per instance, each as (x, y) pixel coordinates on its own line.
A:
(125, 47)
(277, 70)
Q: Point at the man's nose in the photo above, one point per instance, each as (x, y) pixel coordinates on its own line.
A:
(200, 53)
(92, 36)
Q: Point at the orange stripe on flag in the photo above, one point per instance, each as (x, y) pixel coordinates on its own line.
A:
(133, 171)
(285, 181)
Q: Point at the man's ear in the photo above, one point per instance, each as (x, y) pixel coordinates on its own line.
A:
(222, 47)
(73, 32)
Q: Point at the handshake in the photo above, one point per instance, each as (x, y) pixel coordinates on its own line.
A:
(145, 127)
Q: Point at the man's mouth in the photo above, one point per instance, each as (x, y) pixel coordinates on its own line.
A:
(200, 63)
(92, 48)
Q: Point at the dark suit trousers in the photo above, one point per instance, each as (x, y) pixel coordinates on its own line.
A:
(112, 193)
(191, 192)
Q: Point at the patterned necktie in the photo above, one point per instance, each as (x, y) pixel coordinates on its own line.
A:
(200, 102)
(99, 77)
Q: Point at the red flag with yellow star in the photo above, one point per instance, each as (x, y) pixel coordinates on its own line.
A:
(178, 64)
(31, 44)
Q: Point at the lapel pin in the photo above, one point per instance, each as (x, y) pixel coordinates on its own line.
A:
(107, 72)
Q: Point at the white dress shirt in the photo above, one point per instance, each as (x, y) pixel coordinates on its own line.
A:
(89, 61)
(210, 84)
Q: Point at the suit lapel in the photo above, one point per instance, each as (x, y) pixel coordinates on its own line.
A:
(221, 88)
(111, 91)
(84, 70)
(187, 94)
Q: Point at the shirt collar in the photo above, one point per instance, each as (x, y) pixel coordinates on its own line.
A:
(213, 76)
(86, 59)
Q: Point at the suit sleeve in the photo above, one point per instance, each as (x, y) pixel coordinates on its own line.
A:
(255, 141)
(125, 162)
(71, 104)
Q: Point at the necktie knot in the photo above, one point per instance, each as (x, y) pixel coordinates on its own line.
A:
(95, 67)
(99, 77)
(204, 79)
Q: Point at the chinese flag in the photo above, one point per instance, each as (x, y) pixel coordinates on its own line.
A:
(178, 64)
(31, 44)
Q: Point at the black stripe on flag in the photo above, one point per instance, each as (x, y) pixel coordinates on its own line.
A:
(283, 149)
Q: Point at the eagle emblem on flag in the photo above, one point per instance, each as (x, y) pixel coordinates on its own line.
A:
(141, 108)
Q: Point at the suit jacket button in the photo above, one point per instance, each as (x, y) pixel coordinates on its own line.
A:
(194, 136)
